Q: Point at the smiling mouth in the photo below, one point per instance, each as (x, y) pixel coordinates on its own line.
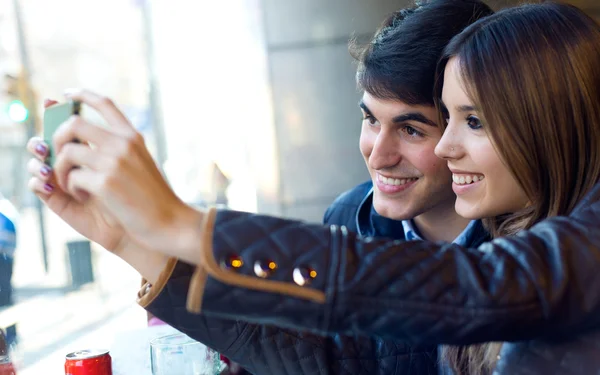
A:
(466, 179)
(395, 181)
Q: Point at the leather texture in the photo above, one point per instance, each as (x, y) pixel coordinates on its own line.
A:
(266, 349)
(542, 283)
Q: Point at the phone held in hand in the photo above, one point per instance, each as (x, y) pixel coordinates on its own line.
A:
(54, 116)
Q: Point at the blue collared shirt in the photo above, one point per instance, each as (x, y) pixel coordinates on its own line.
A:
(370, 224)
(412, 234)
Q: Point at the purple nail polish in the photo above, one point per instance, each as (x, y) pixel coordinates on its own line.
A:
(49, 188)
(41, 149)
(45, 171)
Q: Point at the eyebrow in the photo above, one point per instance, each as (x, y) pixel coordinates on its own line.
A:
(460, 108)
(411, 116)
(467, 108)
(364, 107)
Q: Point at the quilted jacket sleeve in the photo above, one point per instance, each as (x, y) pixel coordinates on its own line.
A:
(267, 349)
(330, 281)
(271, 350)
(257, 348)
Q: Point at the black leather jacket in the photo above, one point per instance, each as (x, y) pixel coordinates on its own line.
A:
(542, 284)
(265, 349)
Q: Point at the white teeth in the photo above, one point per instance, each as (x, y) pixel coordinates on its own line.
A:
(466, 179)
(394, 181)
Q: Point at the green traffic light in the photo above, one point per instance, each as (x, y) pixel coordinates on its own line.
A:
(17, 111)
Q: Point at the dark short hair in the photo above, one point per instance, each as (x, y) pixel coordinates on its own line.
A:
(399, 62)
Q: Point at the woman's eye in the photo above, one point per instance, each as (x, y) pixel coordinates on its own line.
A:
(474, 123)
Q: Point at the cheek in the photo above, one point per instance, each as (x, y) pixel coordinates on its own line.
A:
(504, 194)
(503, 185)
(429, 164)
(487, 161)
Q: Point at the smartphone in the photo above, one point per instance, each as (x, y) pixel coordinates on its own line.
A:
(54, 116)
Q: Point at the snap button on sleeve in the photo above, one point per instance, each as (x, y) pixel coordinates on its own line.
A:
(303, 275)
(264, 269)
(232, 262)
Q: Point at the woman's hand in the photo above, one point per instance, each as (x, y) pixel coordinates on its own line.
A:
(118, 173)
(87, 217)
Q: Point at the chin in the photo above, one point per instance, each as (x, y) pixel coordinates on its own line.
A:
(469, 211)
(391, 210)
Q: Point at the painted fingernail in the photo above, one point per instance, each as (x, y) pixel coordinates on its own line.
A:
(45, 171)
(49, 188)
(41, 149)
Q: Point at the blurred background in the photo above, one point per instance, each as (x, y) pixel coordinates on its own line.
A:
(245, 103)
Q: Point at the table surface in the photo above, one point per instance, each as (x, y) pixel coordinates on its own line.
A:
(130, 350)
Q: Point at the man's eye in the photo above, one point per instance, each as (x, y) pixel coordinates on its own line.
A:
(412, 131)
(372, 120)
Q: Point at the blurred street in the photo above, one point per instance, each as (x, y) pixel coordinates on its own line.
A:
(56, 320)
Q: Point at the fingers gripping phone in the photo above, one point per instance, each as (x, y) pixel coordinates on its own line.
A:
(54, 116)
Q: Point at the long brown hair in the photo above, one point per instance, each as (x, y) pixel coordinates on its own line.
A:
(534, 72)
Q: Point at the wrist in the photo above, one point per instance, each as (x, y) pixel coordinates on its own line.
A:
(150, 264)
(184, 237)
(122, 246)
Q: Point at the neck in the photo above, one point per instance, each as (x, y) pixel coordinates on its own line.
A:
(441, 223)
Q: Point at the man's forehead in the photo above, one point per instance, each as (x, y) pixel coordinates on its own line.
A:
(392, 106)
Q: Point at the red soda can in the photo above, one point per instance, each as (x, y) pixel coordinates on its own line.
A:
(88, 362)
(7, 369)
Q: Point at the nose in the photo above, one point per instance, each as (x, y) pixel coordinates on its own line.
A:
(386, 151)
(448, 146)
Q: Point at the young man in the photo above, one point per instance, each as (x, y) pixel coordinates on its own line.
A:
(410, 194)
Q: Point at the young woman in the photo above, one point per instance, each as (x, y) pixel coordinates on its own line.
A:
(523, 127)
(538, 110)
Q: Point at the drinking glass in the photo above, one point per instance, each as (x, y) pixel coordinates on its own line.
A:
(180, 355)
